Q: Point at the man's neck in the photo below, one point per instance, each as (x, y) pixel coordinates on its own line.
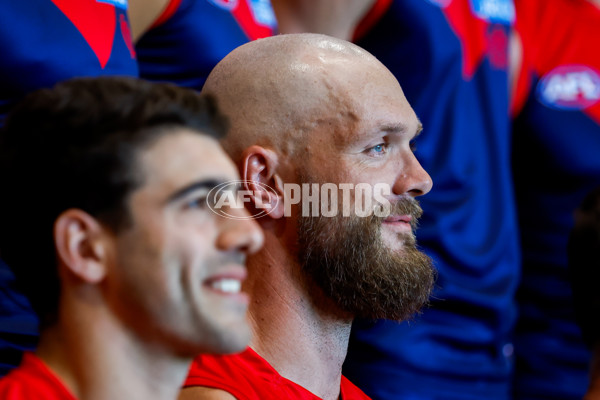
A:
(337, 18)
(96, 358)
(305, 343)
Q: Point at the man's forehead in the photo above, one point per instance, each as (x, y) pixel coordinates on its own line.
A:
(179, 157)
(362, 121)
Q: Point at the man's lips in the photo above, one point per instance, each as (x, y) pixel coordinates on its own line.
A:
(228, 280)
(407, 219)
(399, 223)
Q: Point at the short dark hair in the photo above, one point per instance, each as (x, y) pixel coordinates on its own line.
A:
(75, 146)
(584, 267)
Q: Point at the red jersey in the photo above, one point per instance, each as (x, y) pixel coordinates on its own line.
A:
(248, 376)
(33, 380)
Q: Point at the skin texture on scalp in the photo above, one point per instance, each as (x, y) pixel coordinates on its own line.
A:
(286, 89)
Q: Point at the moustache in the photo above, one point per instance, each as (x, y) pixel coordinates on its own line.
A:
(405, 206)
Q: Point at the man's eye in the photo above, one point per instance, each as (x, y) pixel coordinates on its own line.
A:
(196, 202)
(378, 149)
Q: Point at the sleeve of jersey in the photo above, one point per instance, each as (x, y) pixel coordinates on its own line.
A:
(221, 372)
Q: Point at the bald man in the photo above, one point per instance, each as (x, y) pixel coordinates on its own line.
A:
(309, 108)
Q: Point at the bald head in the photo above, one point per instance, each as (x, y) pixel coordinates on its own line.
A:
(279, 89)
(310, 109)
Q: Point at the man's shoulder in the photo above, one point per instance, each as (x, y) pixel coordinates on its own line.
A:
(33, 380)
(243, 375)
(248, 376)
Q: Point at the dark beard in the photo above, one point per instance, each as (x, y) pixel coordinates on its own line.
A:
(347, 258)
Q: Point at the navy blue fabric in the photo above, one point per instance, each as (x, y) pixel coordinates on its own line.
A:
(185, 48)
(40, 46)
(553, 361)
(559, 124)
(18, 323)
(460, 347)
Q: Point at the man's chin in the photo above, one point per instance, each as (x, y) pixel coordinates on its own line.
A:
(397, 241)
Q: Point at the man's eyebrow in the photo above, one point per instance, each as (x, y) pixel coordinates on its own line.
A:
(393, 128)
(400, 128)
(207, 184)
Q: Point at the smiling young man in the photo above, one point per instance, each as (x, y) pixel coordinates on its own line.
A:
(105, 221)
(313, 109)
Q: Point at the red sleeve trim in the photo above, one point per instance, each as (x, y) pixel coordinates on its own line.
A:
(167, 13)
(371, 18)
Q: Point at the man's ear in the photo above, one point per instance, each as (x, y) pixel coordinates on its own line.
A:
(260, 176)
(80, 245)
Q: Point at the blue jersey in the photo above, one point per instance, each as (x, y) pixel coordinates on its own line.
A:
(450, 57)
(43, 42)
(556, 163)
(192, 36)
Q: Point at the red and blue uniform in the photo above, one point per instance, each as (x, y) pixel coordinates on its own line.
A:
(43, 42)
(192, 36)
(451, 59)
(556, 163)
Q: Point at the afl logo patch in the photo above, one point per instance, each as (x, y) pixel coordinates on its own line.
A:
(570, 87)
(225, 4)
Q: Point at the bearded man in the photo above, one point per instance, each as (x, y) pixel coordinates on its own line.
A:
(312, 109)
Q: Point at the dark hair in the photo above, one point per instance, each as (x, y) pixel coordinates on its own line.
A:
(75, 146)
(584, 267)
